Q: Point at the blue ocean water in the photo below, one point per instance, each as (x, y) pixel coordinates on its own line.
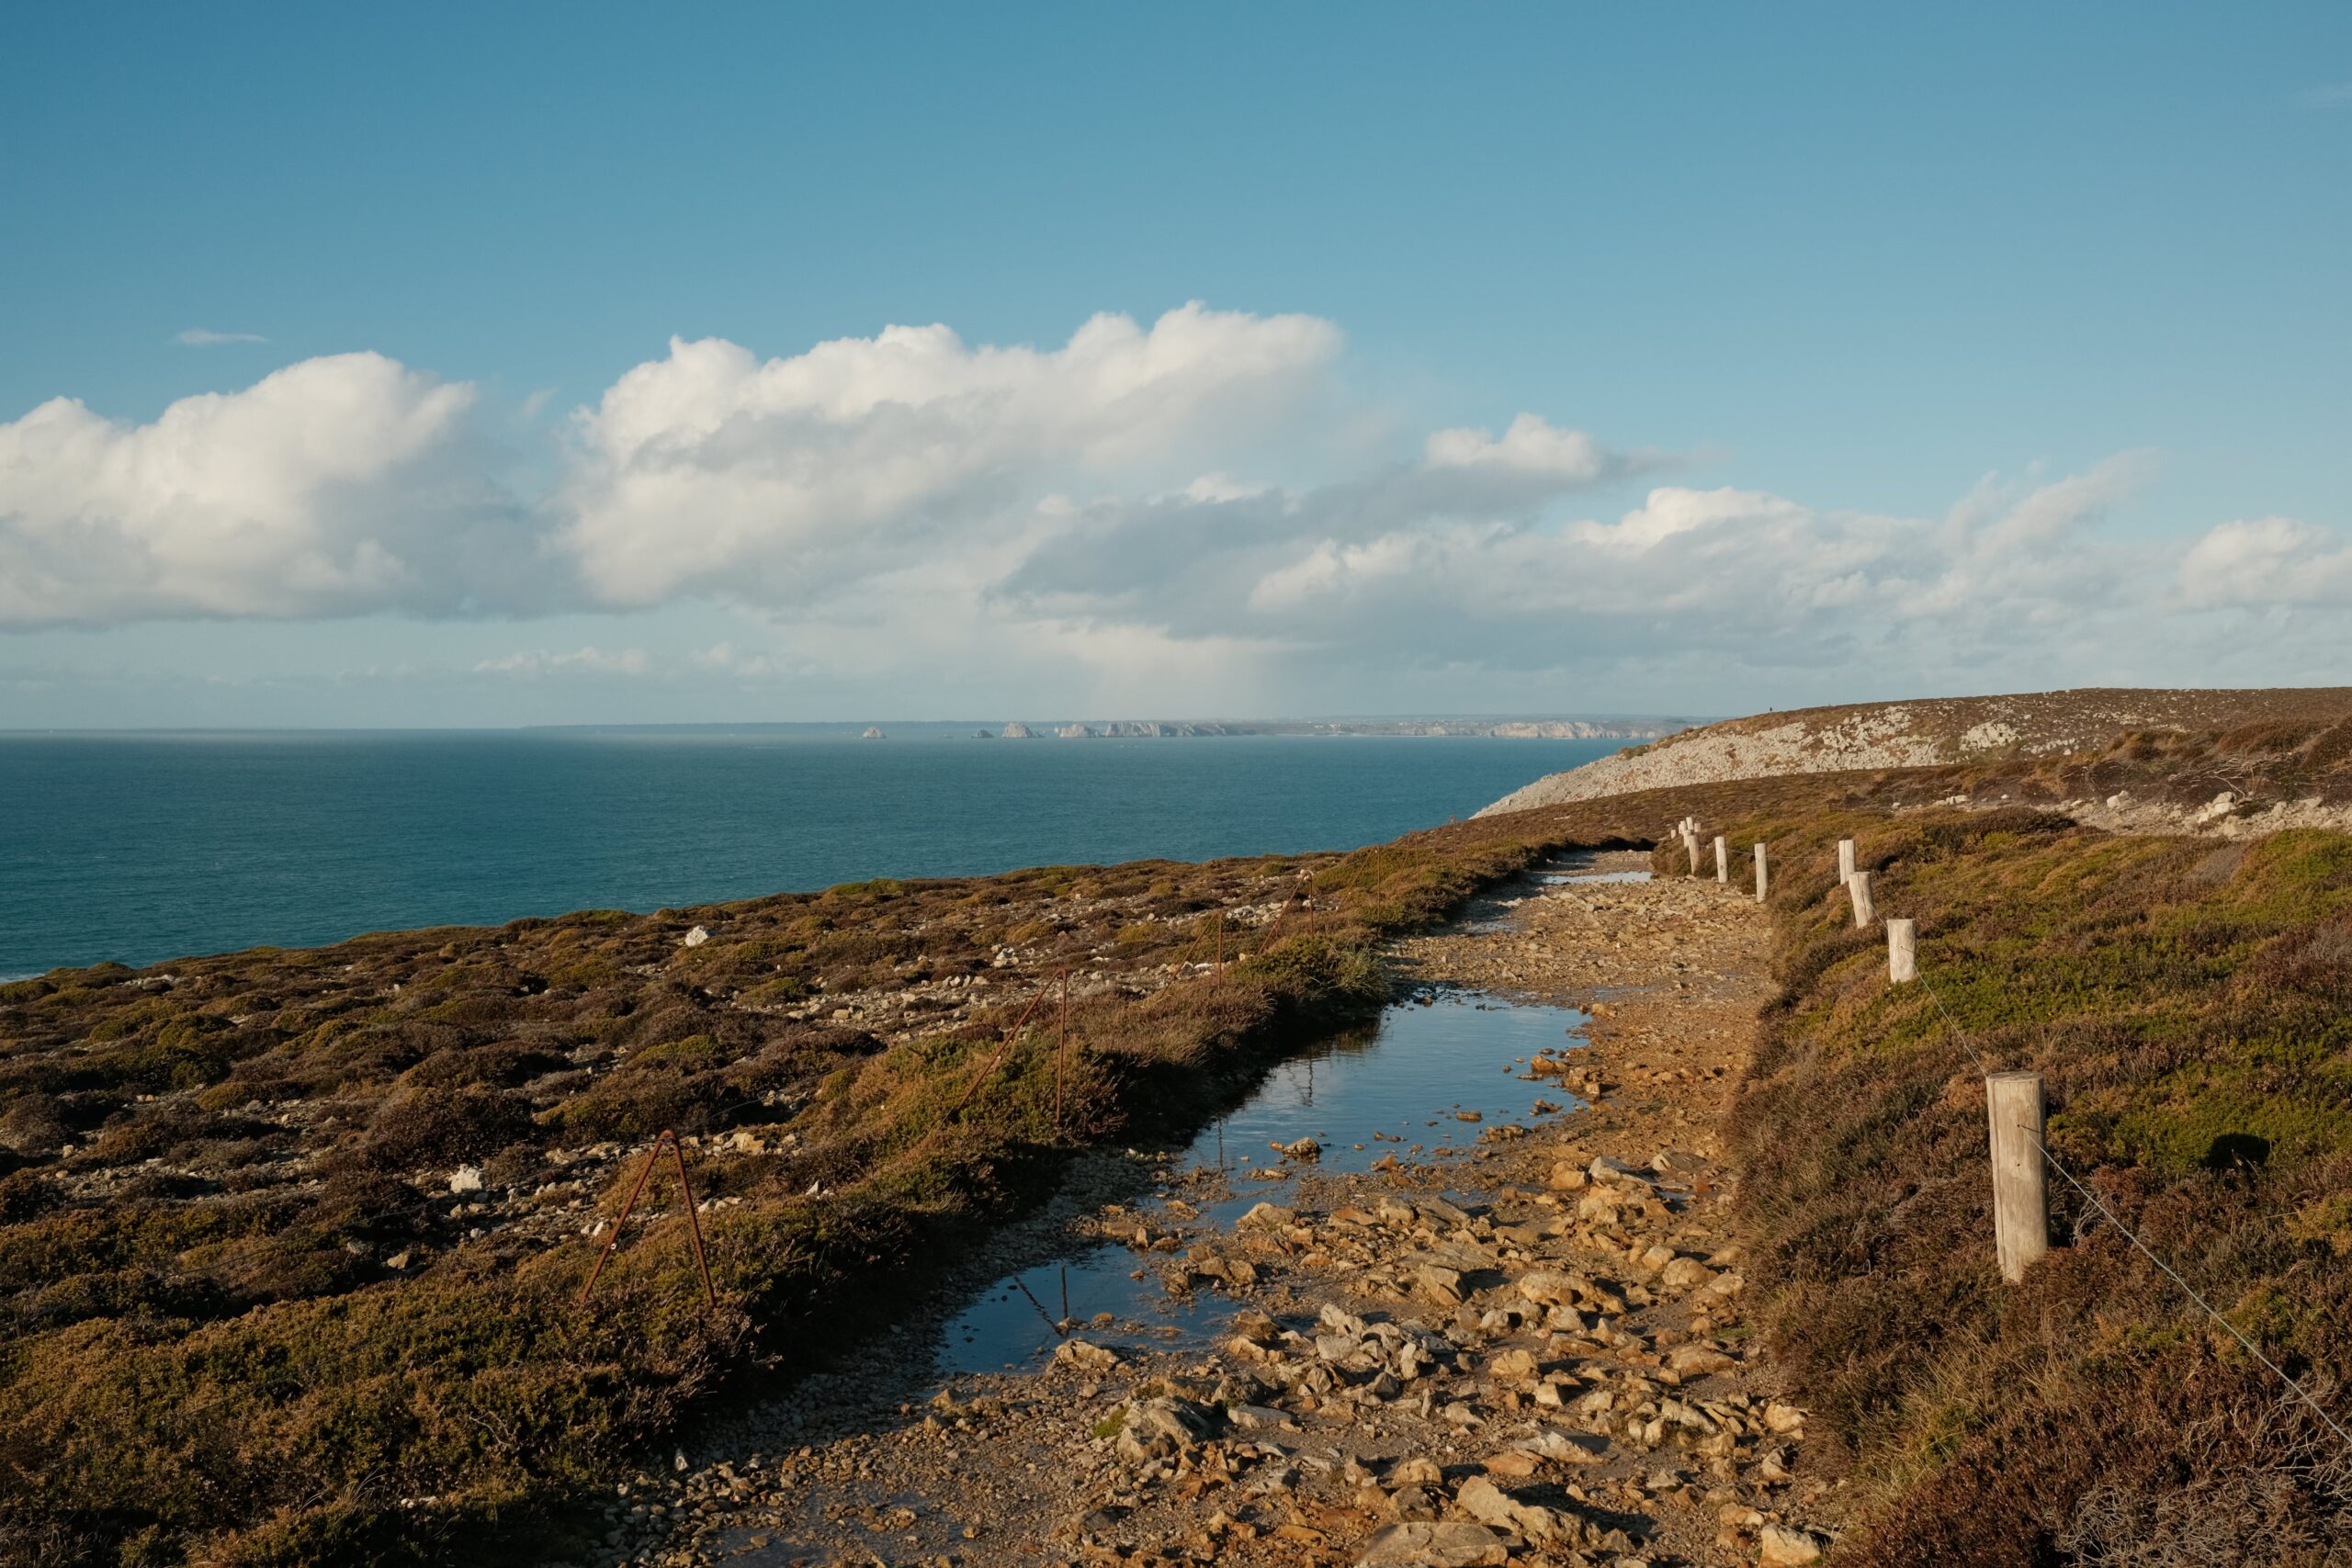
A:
(148, 847)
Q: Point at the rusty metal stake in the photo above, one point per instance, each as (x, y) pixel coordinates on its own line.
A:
(982, 1076)
(694, 1224)
(974, 1088)
(1061, 1055)
(1060, 1332)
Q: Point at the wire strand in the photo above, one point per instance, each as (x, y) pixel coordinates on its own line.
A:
(2133, 1236)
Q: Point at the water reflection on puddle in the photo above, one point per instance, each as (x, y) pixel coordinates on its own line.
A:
(1568, 870)
(1388, 1088)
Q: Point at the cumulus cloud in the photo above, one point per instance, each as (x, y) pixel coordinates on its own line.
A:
(1173, 506)
(205, 337)
(713, 471)
(1745, 576)
(2268, 560)
(335, 486)
(1531, 445)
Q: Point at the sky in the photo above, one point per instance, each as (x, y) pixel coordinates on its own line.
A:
(519, 365)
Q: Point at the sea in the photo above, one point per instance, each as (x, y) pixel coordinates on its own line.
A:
(146, 846)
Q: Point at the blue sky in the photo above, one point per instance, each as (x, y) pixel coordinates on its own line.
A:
(1919, 352)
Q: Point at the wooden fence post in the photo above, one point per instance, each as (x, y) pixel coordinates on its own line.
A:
(1858, 887)
(1763, 876)
(1690, 843)
(1723, 860)
(1902, 950)
(1844, 859)
(2020, 1199)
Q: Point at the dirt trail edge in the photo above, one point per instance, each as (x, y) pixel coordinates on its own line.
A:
(1531, 1354)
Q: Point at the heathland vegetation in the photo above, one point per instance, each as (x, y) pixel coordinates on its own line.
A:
(292, 1243)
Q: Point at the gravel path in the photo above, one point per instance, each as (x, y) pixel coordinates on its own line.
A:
(1531, 1354)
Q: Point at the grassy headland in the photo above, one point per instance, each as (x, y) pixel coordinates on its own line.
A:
(2190, 1006)
(258, 1310)
(249, 1321)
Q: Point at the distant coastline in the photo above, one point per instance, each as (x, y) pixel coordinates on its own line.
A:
(1495, 729)
(1613, 727)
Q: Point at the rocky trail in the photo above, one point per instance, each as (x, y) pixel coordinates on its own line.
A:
(1524, 1347)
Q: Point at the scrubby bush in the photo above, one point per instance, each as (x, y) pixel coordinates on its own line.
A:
(424, 1127)
(2185, 1006)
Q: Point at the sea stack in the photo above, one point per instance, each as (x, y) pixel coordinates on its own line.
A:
(1017, 730)
(873, 732)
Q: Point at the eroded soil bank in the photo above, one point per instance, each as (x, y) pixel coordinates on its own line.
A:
(1471, 1339)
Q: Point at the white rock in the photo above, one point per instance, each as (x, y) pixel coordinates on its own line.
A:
(466, 1178)
(1781, 1547)
(1085, 1356)
(697, 937)
(1450, 1544)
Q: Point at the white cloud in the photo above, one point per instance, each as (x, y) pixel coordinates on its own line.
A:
(711, 471)
(331, 487)
(533, 664)
(1531, 445)
(2268, 560)
(1143, 508)
(1674, 511)
(1753, 580)
(205, 337)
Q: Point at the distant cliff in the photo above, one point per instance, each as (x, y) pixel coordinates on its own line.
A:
(1499, 728)
(1929, 733)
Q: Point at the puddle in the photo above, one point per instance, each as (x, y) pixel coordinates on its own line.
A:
(1389, 1087)
(1576, 868)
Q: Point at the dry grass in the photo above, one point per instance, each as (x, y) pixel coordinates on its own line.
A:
(2185, 1004)
(246, 1316)
(209, 1353)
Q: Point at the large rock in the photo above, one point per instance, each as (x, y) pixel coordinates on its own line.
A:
(1085, 1356)
(1490, 1504)
(1160, 1429)
(1449, 1544)
(1781, 1547)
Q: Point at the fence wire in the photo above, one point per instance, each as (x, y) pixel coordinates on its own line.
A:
(1969, 1044)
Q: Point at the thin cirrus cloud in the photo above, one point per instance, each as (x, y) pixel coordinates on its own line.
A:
(537, 663)
(910, 501)
(205, 337)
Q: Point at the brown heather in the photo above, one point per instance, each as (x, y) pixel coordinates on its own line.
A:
(209, 1354)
